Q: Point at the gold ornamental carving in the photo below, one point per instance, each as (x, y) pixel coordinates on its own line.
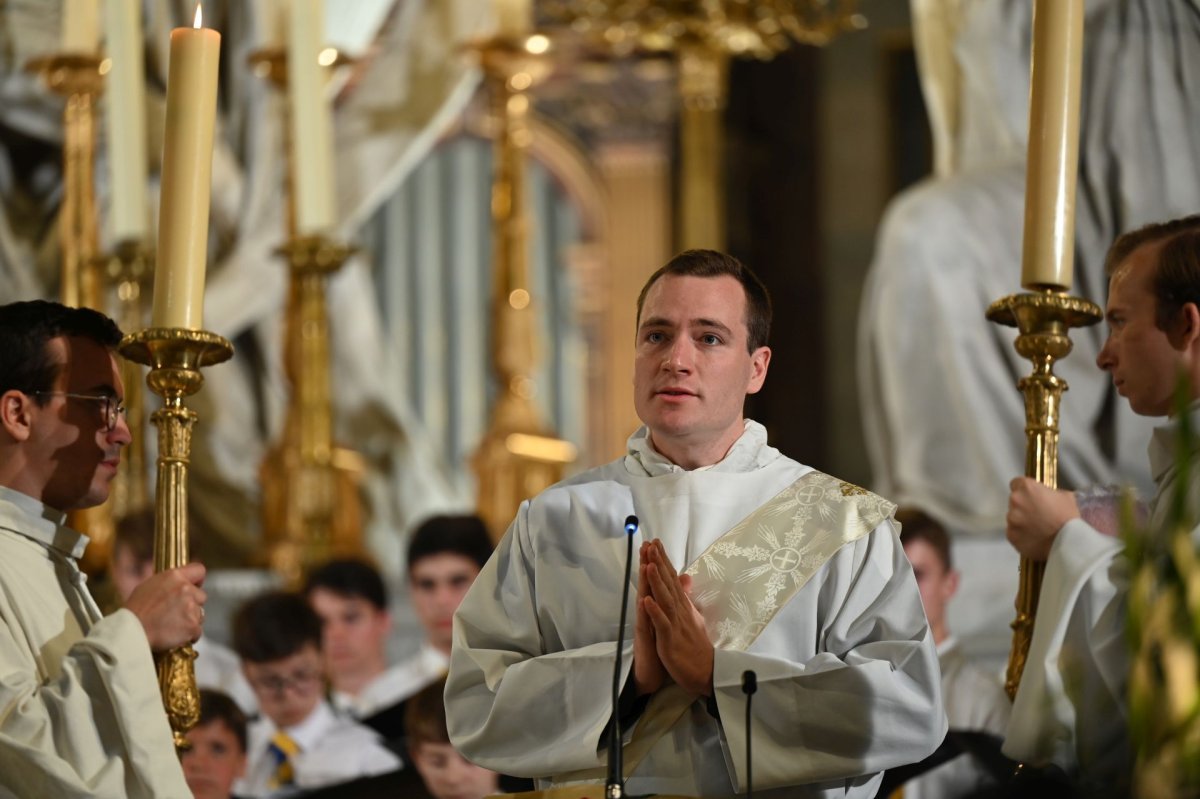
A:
(703, 35)
(175, 357)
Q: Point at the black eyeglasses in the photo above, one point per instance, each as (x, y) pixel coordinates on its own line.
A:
(113, 407)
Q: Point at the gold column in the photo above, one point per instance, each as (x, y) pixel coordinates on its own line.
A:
(703, 72)
(518, 456)
(637, 179)
(175, 357)
(1045, 316)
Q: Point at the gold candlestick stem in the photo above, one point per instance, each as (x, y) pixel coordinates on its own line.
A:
(175, 357)
(1043, 320)
(518, 456)
(77, 78)
(310, 498)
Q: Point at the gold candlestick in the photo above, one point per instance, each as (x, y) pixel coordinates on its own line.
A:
(77, 78)
(518, 456)
(1044, 319)
(310, 498)
(175, 357)
(311, 504)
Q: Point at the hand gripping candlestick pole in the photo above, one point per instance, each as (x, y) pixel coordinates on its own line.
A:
(175, 357)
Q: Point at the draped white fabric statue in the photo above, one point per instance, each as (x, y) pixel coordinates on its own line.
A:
(943, 418)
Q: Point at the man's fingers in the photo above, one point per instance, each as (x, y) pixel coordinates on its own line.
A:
(661, 590)
(658, 618)
(685, 583)
(192, 572)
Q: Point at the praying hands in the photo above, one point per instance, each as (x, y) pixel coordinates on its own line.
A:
(670, 638)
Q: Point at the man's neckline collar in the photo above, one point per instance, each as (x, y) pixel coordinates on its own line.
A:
(36, 520)
(1164, 442)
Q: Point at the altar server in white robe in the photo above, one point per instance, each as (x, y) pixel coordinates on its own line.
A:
(80, 711)
(813, 592)
(1071, 705)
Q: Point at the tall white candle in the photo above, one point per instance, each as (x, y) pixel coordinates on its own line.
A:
(186, 177)
(311, 123)
(125, 121)
(80, 26)
(1050, 172)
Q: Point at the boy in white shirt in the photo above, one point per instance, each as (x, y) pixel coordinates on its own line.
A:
(299, 742)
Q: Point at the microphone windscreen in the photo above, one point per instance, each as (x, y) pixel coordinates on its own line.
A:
(631, 524)
(749, 682)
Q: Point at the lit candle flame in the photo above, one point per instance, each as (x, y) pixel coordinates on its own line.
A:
(199, 18)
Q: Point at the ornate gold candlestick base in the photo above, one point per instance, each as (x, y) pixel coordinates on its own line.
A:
(1044, 320)
(175, 357)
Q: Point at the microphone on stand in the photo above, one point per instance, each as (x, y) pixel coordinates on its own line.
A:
(614, 786)
(749, 686)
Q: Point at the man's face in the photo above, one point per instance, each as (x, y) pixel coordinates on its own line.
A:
(437, 585)
(288, 689)
(353, 632)
(1144, 366)
(73, 455)
(128, 572)
(935, 582)
(215, 761)
(448, 775)
(692, 370)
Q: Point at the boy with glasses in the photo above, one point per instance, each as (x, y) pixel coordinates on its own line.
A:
(80, 711)
(298, 742)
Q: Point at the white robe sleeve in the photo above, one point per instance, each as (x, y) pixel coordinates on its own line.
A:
(1070, 708)
(96, 730)
(509, 707)
(868, 701)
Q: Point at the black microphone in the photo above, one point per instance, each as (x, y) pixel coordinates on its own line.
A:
(749, 686)
(614, 786)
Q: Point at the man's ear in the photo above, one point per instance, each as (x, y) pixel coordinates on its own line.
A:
(16, 414)
(760, 359)
(1187, 327)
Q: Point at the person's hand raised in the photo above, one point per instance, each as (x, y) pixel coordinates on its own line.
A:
(170, 606)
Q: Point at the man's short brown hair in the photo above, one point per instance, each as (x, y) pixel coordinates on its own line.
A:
(917, 525)
(425, 716)
(710, 263)
(1177, 269)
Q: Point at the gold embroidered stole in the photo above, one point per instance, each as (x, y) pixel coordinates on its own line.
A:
(750, 573)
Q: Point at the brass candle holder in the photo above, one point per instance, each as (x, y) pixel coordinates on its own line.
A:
(78, 79)
(518, 456)
(1044, 319)
(175, 357)
(310, 503)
